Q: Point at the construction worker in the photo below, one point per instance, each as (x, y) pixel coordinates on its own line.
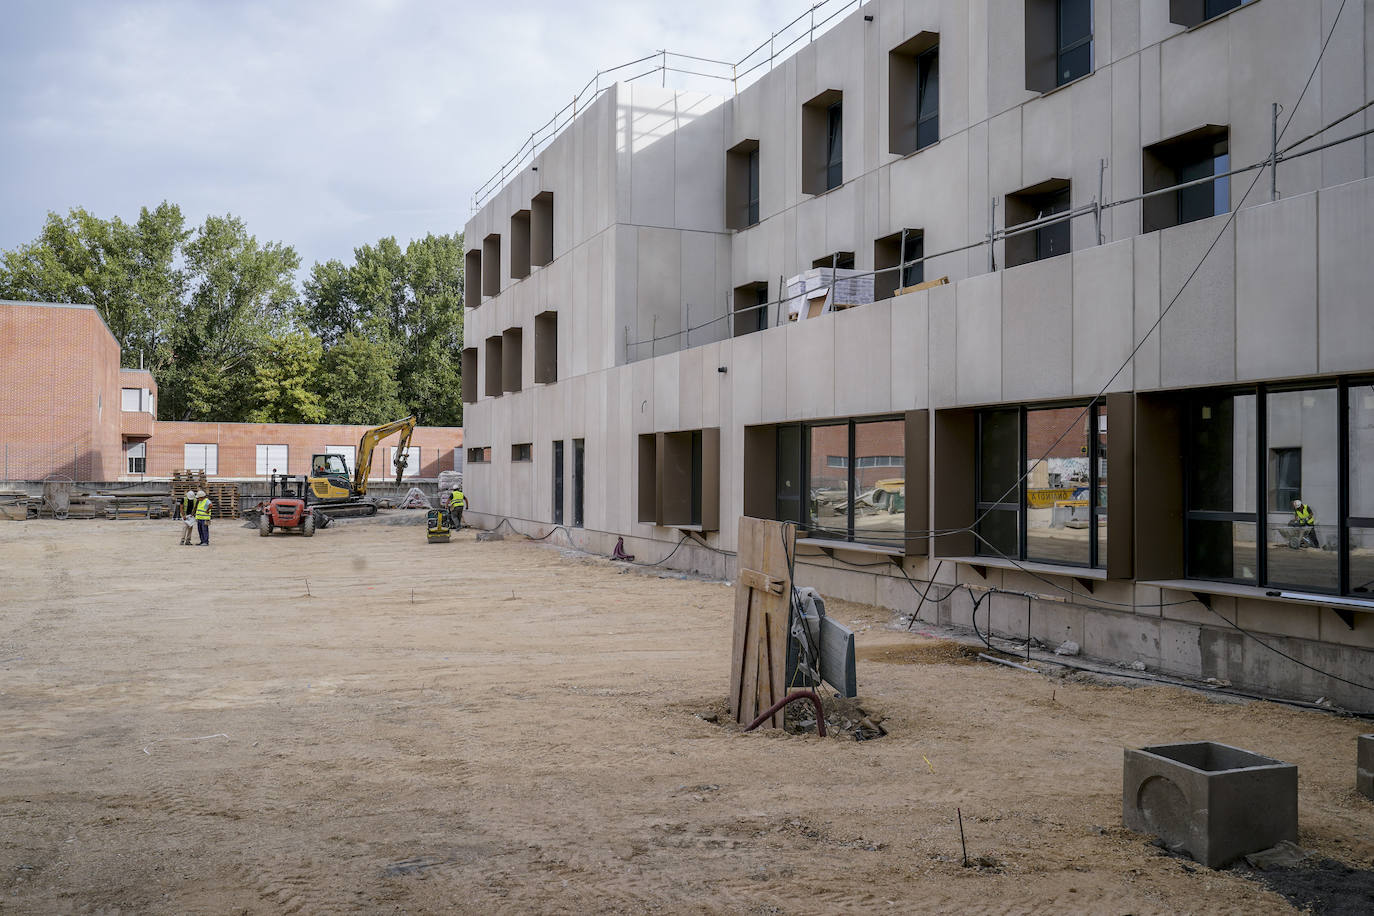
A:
(187, 513)
(1305, 520)
(203, 507)
(456, 503)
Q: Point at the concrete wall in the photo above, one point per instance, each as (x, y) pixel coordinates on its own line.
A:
(1281, 295)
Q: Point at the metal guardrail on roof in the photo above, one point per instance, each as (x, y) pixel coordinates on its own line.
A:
(813, 22)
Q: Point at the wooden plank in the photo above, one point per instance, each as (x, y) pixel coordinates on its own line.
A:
(752, 578)
(762, 602)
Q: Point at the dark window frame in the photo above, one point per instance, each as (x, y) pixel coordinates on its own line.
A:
(834, 145)
(1062, 49)
(558, 481)
(1344, 520)
(985, 504)
(804, 520)
(928, 84)
(752, 196)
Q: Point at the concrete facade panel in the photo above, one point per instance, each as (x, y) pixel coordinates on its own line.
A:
(1276, 289)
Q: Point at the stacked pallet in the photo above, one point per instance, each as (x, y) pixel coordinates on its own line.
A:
(184, 481)
(224, 497)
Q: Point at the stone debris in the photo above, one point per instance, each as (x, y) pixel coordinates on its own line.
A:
(1067, 648)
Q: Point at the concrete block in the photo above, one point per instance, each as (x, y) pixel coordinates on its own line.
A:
(1364, 766)
(1213, 801)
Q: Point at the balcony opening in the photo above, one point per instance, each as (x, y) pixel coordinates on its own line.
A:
(742, 185)
(546, 348)
(679, 479)
(751, 308)
(823, 142)
(491, 257)
(541, 228)
(512, 353)
(1188, 157)
(840, 260)
(472, 278)
(913, 94)
(1047, 198)
(888, 252)
(520, 245)
(491, 381)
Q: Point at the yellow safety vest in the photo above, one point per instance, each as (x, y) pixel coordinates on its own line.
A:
(457, 500)
(1305, 516)
(203, 510)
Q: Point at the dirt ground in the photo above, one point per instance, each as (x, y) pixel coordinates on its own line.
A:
(361, 722)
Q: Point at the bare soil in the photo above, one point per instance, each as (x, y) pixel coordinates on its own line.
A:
(361, 722)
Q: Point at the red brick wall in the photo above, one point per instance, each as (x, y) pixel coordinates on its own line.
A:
(237, 446)
(59, 393)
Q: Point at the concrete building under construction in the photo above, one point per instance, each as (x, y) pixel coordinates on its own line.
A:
(1032, 296)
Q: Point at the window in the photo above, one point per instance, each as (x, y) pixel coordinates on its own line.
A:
(1034, 203)
(840, 260)
(1189, 157)
(1059, 42)
(679, 479)
(520, 245)
(469, 376)
(742, 185)
(491, 257)
(579, 481)
(458, 460)
(1195, 12)
(479, 455)
(512, 358)
(1272, 446)
(854, 474)
(201, 457)
(137, 455)
(412, 462)
(491, 381)
(346, 453)
(558, 481)
(823, 142)
(472, 278)
(913, 82)
(271, 459)
(1041, 484)
(522, 452)
(900, 248)
(545, 348)
(132, 399)
(751, 308)
(541, 229)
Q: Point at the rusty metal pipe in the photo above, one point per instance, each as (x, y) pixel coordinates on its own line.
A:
(792, 697)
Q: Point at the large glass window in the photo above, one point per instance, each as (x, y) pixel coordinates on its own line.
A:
(1042, 484)
(855, 479)
(1280, 491)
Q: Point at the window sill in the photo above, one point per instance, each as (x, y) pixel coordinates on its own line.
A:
(1073, 82)
(832, 544)
(697, 528)
(1081, 573)
(919, 149)
(1236, 590)
(825, 192)
(1206, 22)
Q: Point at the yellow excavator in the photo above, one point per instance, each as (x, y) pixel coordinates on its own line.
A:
(336, 494)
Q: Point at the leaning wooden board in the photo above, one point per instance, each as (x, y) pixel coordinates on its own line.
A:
(763, 590)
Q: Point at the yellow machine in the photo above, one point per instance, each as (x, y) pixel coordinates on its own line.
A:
(334, 492)
(438, 526)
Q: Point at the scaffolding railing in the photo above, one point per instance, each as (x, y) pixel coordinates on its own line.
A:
(737, 74)
(1095, 208)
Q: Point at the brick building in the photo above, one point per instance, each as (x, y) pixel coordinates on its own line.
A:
(67, 408)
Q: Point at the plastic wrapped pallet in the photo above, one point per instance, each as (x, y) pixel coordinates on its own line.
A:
(824, 289)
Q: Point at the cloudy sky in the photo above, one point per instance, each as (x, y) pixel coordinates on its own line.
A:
(322, 124)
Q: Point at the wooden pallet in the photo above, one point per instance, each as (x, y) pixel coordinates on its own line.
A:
(224, 498)
(763, 602)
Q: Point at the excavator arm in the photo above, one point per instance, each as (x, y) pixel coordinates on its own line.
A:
(368, 444)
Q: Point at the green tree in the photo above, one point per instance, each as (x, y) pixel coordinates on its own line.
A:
(287, 372)
(408, 301)
(197, 306)
(358, 383)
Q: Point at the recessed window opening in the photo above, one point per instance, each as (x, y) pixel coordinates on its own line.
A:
(1075, 31)
(491, 381)
(889, 252)
(546, 348)
(558, 479)
(491, 258)
(840, 260)
(520, 245)
(1195, 12)
(823, 142)
(541, 229)
(1041, 484)
(742, 185)
(913, 69)
(1048, 198)
(472, 278)
(1189, 157)
(844, 480)
(479, 455)
(751, 308)
(512, 359)
(1059, 42)
(522, 452)
(469, 375)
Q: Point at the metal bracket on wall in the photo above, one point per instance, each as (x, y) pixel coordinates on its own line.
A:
(1204, 599)
(1086, 583)
(1347, 617)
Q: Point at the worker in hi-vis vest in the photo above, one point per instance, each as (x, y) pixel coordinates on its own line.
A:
(1304, 517)
(203, 507)
(456, 503)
